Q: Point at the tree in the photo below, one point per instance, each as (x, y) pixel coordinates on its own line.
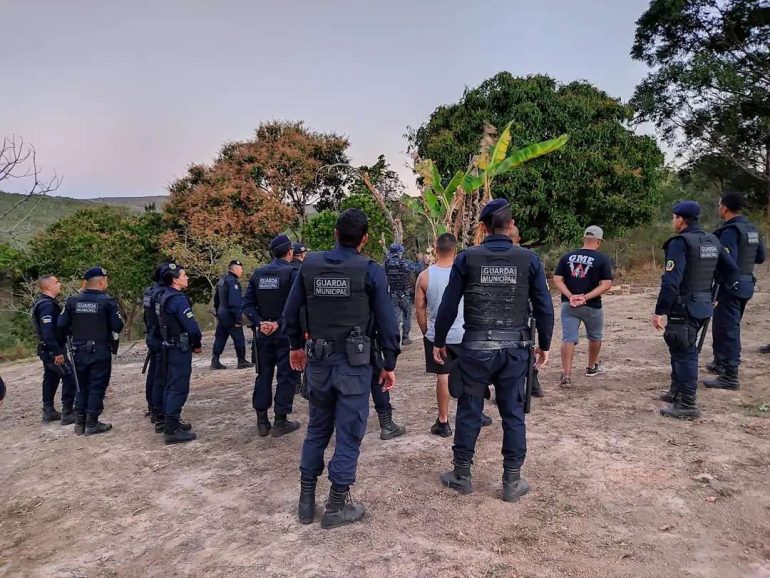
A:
(125, 244)
(18, 163)
(607, 174)
(318, 231)
(709, 92)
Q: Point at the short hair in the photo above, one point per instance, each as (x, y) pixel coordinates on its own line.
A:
(500, 220)
(282, 251)
(446, 243)
(352, 225)
(43, 279)
(689, 221)
(733, 201)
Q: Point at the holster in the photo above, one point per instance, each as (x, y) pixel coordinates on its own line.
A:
(677, 333)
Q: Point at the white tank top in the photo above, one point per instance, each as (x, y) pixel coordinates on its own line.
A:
(438, 278)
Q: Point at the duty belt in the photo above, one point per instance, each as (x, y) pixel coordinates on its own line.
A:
(320, 349)
(496, 339)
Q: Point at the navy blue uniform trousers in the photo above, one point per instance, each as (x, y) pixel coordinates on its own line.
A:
(221, 334)
(178, 373)
(339, 401)
(506, 369)
(684, 358)
(94, 370)
(51, 380)
(380, 398)
(156, 379)
(726, 329)
(402, 306)
(273, 353)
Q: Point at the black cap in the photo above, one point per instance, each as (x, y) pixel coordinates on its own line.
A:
(689, 209)
(279, 241)
(733, 201)
(235, 262)
(94, 272)
(299, 248)
(492, 207)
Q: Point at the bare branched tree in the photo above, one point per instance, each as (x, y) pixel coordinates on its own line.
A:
(18, 162)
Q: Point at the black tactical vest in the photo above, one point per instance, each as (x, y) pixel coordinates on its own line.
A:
(336, 296)
(151, 323)
(272, 290)
(399, 276)
(222, 292)
(702, 257)
(748, 245)
(36, 316)
(172, 325)
(497, 288)
(90, 318)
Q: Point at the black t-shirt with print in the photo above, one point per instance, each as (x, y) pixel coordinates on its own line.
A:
(582, 270)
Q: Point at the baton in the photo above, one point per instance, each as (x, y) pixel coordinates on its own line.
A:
(531, 365)
(704, 329)
(146, 361)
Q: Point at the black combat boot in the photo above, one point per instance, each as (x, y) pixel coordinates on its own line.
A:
(151, 413)
(160, 423)
(306, 509)
(715, 366)
(727, 379)
(282, 426)
(671, 395)
(243, 364)
(514, 486)
(50, 414)
(388, 429)
(80, 424)
(340, 509)
(684, 407)
(215, 364)
(459, 478)
(537, 390)
(765, 348)
(175, 434)
(67, 414)
(263, 423)
(94, 426)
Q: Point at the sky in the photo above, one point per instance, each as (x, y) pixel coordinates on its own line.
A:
(120, 97)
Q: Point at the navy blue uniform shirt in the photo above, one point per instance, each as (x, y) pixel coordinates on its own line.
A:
(231, 308)
(46, 311)
(379, 301)
(113, 314)
(676, 260)
(178, 306)
(250, 301)
(540, 298)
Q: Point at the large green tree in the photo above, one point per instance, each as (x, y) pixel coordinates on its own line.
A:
(606, 174)
(709, 90)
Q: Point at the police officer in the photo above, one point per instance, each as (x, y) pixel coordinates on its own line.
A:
(299, 254)
(181, 338)
(744, 243)
(51, 350)
(265, 299)
(228, 302)
(92, 319)
(399, 272)
(154, 341)
(343, 292)
(692, 258)
(498, 280)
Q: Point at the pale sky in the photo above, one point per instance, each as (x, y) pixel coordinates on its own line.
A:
(119, 97)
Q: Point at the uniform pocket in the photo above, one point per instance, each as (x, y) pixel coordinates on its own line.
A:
(352, 380)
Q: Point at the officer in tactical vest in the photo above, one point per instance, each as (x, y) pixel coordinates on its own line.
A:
(692, 258)
(228, 305)
(399, 272)
(744, 243)
(265, 299)
(299, 254)
(51, 350)
(92, 319)
(343, 293)
(154, 361)
(181, 338)
(498, 281)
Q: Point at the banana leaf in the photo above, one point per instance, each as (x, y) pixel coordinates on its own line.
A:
(501, 146)
(521, 156)
(436, 179)
(472, 183)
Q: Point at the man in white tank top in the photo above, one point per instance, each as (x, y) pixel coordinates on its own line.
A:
(429, 291)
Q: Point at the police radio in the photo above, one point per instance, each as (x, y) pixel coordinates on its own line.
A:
(358, 348)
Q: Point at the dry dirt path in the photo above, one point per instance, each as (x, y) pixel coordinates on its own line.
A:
(617, 489)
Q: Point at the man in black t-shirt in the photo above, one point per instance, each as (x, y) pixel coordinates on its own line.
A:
(582, 277)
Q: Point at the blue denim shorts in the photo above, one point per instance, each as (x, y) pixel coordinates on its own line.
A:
(593, 319)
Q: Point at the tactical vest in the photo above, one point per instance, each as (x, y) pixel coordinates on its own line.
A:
(151, 323)
(272, 290)
(336, 296)
(702, 257)
(90, 318)
(399, 276)
(748, 245)
(497, 288)
(222, 292)
(36, 318)
(173, 327)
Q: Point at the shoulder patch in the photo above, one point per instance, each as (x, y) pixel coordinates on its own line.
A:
(670, 265)
(46, 319)
(188, 313)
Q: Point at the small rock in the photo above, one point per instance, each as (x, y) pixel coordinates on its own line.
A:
(704, 477)
(711, 499)
(666, 528)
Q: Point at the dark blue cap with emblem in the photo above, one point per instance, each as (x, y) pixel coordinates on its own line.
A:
(299, 248)
(689, 209)
(94, 272)
(492, 207)
(235, 262)
(170, 271)
(279, 241)
(396, 248)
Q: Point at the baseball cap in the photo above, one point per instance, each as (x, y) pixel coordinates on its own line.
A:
(492, 207)
(299, 248)
(689, 209)
(94, 272)
(594, 232)
(279, 241)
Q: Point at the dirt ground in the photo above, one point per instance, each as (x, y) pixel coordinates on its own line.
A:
(618, 490)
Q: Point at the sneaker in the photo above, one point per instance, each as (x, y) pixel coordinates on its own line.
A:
(565, 381)
(595, 370)
(441, 429)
